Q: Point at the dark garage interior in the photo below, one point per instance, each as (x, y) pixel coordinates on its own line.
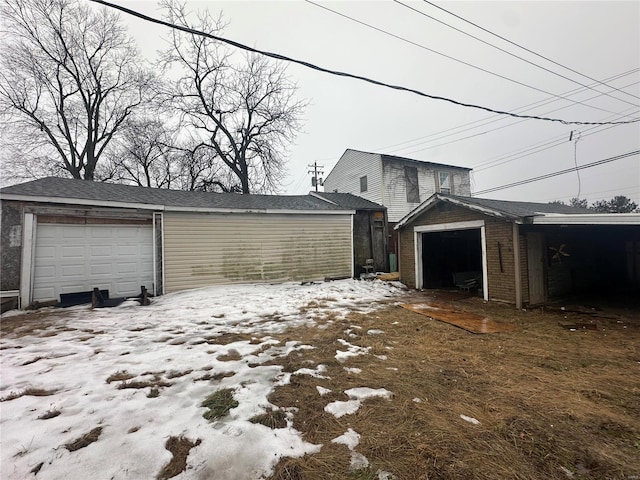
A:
(451, 257)
(594, 263)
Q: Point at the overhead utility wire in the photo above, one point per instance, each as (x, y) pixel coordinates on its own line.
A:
(419, 45)
(532, 150)
(304, 63)
(511, 53)
(525, 48)
(495, 118)
(561, 172)
(511, 124)
(537, 147)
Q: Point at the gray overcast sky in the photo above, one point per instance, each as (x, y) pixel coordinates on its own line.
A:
(598, 39)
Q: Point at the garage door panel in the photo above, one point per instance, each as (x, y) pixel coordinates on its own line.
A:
(45, 271)
(73, 258)
(70, 271)
(72, 251)
(101, 251)
(101, 269)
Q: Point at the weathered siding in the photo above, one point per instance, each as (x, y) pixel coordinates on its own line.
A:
(11, 244)
(395, 191)
(345, 176)
(213, 249)
(461, 184)
(501, 275)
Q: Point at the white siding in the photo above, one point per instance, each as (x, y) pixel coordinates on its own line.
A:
(345, 176)
(213, 249)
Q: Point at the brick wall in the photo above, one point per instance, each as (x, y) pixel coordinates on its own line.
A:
(500, 255)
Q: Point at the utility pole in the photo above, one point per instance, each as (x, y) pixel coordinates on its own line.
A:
(316, 169)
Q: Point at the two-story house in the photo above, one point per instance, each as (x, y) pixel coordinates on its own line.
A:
(398, 183)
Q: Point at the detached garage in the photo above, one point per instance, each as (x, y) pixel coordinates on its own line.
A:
(65, 236)
(519, 252)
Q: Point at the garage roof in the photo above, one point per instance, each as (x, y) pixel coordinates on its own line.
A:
(72, 191)
(523, 212)
(348, 200)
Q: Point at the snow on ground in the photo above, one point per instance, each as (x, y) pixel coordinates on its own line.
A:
(172, 343)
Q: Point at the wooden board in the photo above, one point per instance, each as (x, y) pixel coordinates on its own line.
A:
(468, 321)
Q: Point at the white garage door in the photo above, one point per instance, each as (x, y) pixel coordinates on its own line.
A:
(77, 258)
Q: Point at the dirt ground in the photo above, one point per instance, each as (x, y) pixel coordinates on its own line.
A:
(551, 402)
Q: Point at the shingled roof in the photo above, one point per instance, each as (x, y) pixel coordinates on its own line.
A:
(62, 190)
(349, 201)
(515, 211)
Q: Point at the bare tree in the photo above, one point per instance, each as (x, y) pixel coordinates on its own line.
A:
(70, 77)
(245, 114)
(146, 155)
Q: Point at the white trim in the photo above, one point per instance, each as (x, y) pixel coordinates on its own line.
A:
(9, 293)
(588, 219)
(164, 280)
(417, 251)
(485, 266)
(155, 258)
(258, 210)
(28, 248)
(443, 227)
(80, 201)
(353, 256)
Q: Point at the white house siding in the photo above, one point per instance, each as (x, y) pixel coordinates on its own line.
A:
(345, 176)
(212, 249)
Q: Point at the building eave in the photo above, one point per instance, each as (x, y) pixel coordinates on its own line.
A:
(587, 219)
(166, 208)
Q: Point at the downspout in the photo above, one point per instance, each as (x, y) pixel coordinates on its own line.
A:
(516, 269)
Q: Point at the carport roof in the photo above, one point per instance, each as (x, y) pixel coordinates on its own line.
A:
(65, 190)
(518, 212)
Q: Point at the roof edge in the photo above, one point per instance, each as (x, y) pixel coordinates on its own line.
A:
(459, 201)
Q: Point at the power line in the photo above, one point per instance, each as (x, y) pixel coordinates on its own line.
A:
(533, 149)
(490, 130)
(524, 48)
(312, 66)
(495, 118)
(511, 53)
(560, 172)
(419, 45)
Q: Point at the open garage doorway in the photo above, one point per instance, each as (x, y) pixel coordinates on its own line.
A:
(451, 256)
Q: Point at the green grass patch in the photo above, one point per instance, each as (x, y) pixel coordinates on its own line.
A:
(219, 403)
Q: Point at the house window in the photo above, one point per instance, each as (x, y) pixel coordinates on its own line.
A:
(411, 184)
(444, 182)
(363, 184)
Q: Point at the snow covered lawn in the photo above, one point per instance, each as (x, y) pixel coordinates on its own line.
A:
(117, 393)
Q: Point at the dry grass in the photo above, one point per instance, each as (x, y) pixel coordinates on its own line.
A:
(549, 400)
(31, 391)
(179, 448)
(272, 419)
(120, 376)
(85, 440)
